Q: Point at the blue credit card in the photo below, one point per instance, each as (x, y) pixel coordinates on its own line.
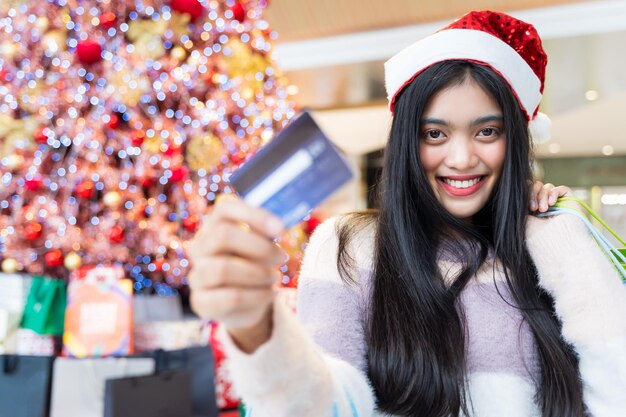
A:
(293, 173)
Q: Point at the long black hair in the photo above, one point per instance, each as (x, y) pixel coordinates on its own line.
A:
(414, 325)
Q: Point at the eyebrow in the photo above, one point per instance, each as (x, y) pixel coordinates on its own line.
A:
(479, 121)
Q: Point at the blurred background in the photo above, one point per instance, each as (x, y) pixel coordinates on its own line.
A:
(333, 54)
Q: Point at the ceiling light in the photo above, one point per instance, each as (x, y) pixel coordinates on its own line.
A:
(607, 150)
(591, 95)
(554, 148)
(614, 199)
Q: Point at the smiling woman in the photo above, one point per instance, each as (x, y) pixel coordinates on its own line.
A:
(451, 299)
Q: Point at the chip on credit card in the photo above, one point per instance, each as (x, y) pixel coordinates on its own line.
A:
(293, 173)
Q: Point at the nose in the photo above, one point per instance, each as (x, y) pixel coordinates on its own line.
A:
(461, 154)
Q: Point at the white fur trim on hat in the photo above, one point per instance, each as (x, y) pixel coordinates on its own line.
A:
(464, 44)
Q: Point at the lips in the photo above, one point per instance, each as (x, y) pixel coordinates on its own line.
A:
(462, 186)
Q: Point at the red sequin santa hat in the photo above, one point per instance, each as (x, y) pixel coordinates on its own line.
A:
(509, 46)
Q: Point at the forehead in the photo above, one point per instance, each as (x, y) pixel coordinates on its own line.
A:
(464, 100)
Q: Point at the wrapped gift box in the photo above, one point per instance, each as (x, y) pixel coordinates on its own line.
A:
(167, 335)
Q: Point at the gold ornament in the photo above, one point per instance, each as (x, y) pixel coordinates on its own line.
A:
(10, 265)
(12, 161)
(55, 41)
(72, 261)
(8, 49)
(178, 53)
(179, 23)
(244, 63)
(112, 199)
(146, 36)
(204, 152)
(16, 133)
(42, 23)
(129, 85)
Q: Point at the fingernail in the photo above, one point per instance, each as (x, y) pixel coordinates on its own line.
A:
(274, 226)
(533, 205)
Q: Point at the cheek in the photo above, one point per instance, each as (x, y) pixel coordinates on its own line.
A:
(430, 159)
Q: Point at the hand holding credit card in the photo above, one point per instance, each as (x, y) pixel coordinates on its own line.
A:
(293, 173)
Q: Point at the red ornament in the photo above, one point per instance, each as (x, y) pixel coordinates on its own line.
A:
(147, 182)
(237, 158)
(191, 223)
(137, 137)
(116, 235)
(114, 122)
(54, 258)
(89, 51)
(33, 184)
(85, 190)
(239, 12)
(158, 264)
(107, 20)
(192, 7)
(41, 134)
(179, 174)
(3, 74)
(32, 231)
(171, 150)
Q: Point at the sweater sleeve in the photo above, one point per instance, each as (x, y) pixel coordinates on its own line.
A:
(590, 300)
(312, 366)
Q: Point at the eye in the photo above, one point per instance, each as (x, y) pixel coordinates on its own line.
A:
(488, 131)
(433, 134)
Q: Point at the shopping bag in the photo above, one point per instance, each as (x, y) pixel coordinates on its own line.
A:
(198, 361)
(168, 335)
(98, 319)
(165, 394)
(152, 308)
(45, 306)
(9, 322)
(617, 256)
(14, 289)
(78, 385)
(27, 342)
(25, 385)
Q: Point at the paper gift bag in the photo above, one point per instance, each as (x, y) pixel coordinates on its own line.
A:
(27, 342)
(165, 394)
(9, 322)
(168, 335)
(98, 319)
(98, 274)
(14, 290)
(45, 306)
(78, 385)
(25, 385)
(198, 361)
(151, 308)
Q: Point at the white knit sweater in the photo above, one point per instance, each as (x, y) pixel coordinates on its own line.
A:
(314, 366)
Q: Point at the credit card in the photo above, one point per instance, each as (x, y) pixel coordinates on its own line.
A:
(293, 173)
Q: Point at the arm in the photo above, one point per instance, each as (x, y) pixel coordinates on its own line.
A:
(312, 366)
(590, 300)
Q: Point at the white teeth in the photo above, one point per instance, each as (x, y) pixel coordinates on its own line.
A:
(461, 184)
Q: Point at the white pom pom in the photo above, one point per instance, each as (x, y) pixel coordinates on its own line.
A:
(540, 128)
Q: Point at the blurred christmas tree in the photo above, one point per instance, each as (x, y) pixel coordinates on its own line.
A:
(120, 122)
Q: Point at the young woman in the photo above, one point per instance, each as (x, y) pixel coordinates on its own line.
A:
(450, 300)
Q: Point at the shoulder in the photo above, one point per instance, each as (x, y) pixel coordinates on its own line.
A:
(320, 256)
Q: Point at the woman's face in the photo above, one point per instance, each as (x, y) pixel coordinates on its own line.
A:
(462, 147)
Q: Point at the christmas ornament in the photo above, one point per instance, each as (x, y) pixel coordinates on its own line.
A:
(12, 162)
(54, 41)
(33, 184)
(85, 190)
(32, 231)
(136, 137)
(112, 199)
(72, 261)
(179, 174)
(88, 51)
(107, 20)
(10, 265)
(239, 12)
(114, 122)
(54, 258)
(191, 223)
(191, 7)
(146, 36)
(41, 134)
(116, 235)
(204, 152)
